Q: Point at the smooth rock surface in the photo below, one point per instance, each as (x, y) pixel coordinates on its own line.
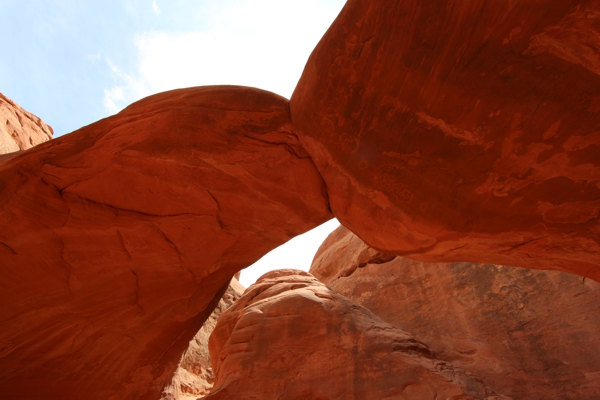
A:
(527, 334)
(461, 131)
(194, 376)
(119, 239)
(20, 129)
(290, 337)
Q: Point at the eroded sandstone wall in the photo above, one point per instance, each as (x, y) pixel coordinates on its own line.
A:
(290, 337)
(20, 129)
(527, 334)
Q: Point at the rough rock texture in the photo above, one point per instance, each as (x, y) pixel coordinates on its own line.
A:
(118, 240)
(461, 131)
(528, 334)
(19, 129)
(290, 337)
(194, 376)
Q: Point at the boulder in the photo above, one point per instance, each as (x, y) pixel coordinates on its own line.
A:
(291, 337)
(461, 131)
(528, 334)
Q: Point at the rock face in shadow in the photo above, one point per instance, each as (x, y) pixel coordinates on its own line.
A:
(19, 129)
(527, 334)
(118, 240)
(461, 131)
(194, 376)
(290, 337)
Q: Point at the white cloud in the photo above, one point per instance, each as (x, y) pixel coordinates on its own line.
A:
(116, 96)
(155, 7)
(93, 57)
(111, 97)
(260, 43)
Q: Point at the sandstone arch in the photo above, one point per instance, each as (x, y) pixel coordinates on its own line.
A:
(465, 131)
(117, 240)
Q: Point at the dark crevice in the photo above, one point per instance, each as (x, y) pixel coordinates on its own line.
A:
(9, 248)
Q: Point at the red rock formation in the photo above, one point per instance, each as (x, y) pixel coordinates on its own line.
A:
(19, 129)
(290, 337)
(444, 131)
(527, 334)
(194, 376)
(118, 240)
(465, 130)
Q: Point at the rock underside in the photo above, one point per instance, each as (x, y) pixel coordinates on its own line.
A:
(461, 131)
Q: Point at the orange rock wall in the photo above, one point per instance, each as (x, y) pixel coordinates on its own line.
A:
(19, 129)
(289, 337)
(461, 131)
(527, 334)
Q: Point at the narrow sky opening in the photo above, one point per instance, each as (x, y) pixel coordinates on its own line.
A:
(297, 253)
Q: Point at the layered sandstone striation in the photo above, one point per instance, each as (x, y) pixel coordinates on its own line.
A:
(19, 129)
(119, 239)
(290, 337)
(194, 376)
(527, 334)
(462, 131)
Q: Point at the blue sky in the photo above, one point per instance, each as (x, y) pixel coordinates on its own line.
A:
(72, 62)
